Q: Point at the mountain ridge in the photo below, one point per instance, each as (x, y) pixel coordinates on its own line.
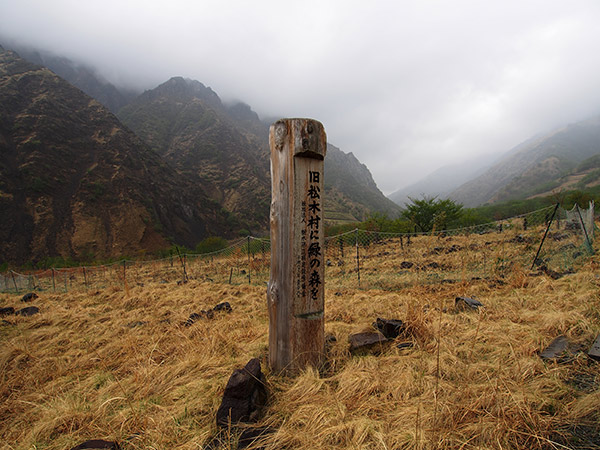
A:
(541, 159)
(75, 183)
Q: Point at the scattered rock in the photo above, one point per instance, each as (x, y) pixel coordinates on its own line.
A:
(405, 345)
(466, 303)
(29, 297)
(390, 328)
(560, 350)
(7, 311)
(406, 264)
(195, 316)
(594, 351)
(551, 273)
(366, 341)
(252, 436)
(224, 306)
(330, 339)
(244, 397)
(97, 443)
(138, 323)
(29, 311)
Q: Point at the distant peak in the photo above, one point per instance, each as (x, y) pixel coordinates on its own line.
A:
(182, 89)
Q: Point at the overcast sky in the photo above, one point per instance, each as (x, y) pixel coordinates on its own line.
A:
(407, 86)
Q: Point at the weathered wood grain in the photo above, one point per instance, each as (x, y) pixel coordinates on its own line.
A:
(295, 293)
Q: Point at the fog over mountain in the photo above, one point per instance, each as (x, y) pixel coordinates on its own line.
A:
(407, 87)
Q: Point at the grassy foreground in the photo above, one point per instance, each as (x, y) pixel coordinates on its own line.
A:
(119, 365)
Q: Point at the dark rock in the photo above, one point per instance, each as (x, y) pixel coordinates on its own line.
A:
(224, 306)
(195, 316)
(138, 323)
(29, 311)
(366, 341)
(464, 303)
(405, 345)
(191, 319)
(390, 328)
(406, 264)
(433, 265)
(560, 350)
(594, 351)
(97, 443)
(551, 273)
(7, 311)
(244, 397)
(29, 297)
(252, 436)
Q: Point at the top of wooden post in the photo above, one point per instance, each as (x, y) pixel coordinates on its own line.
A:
(309, 137)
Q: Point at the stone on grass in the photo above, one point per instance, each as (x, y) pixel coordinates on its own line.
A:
(253, 436)
(560, 350)
(97, 443)
(7, 311)
(594, 351)
(390, 328)
(29, 311)
(366, 341)
(224, 306)
(29, 297)
(244, 397)
(467, 303)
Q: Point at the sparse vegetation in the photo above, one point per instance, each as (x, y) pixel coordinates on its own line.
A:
(117, 363)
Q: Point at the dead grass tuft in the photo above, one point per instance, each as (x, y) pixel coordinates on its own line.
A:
(119, 364)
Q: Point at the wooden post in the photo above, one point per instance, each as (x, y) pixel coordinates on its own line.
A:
(14, 281)
(295, 293)
(248, 259)
(357, 256)
(53, 281)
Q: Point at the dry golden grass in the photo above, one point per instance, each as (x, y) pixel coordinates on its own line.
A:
(118, 364)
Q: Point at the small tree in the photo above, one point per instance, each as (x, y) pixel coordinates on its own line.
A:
(429, 212)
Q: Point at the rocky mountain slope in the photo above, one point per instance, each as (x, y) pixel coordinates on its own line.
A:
(534, 166)
(75, 183)
(79, 75)
(226, 149)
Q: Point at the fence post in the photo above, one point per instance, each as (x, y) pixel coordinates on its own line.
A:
(295, 293)
(14, 281)
(357, 257)
(53, 281)
(545, 234)
(587, 238)
(248, 259)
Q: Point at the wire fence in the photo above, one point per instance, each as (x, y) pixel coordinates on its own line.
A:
(549, 240)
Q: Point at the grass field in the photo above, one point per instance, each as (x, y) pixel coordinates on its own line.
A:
(117, 363)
